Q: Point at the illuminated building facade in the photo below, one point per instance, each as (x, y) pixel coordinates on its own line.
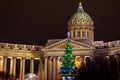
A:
(84, 48)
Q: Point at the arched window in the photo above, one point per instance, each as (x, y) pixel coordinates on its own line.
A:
(74, 34)
(78, 34)
(83, 34)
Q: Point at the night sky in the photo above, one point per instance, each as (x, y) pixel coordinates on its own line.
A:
(36, 21)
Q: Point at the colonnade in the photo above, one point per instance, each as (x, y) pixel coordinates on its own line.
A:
(114, 59)
(52, 67)
(12, 68)
(81, 33)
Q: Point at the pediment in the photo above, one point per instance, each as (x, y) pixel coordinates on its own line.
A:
(61, 45)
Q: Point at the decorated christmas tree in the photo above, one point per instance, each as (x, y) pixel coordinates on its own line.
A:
(68, 69)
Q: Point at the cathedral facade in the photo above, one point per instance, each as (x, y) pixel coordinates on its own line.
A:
(48, 58)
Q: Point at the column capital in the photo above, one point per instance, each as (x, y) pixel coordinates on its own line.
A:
(14, 57)
(57, 56)
(45, 56)
(32, 58)
(5, 57)
(22, 58)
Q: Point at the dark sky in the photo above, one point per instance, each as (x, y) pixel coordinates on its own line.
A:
(36, 21)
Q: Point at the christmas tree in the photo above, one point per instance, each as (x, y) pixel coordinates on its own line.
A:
(67, 69)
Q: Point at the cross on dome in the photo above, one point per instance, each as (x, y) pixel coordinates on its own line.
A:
(80, 3)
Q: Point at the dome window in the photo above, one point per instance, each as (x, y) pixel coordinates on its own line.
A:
(73, 21)
(87, 21)
(83, 34)
(88, 34)
(78, 34)
(83, 20)
(74, 34)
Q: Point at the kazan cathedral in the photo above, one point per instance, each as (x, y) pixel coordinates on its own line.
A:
(95, 60)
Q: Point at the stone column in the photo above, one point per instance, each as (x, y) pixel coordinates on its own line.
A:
(57, 75)
(4, 67)
(11, 68)
(58, 67)
(0, 64)
(80, 33)
(32, 66)
(1, 67)
(54, 68)
(119, 67)
(45, 69)
(14, 67)
(83, 62)
(22, 69)
(50, 70)
(86, 33)
(76, 36)
(41, 70)
(92, 34)
(89, 34)
(71, 33)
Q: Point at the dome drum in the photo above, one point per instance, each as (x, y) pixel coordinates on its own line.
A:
(80, 27)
